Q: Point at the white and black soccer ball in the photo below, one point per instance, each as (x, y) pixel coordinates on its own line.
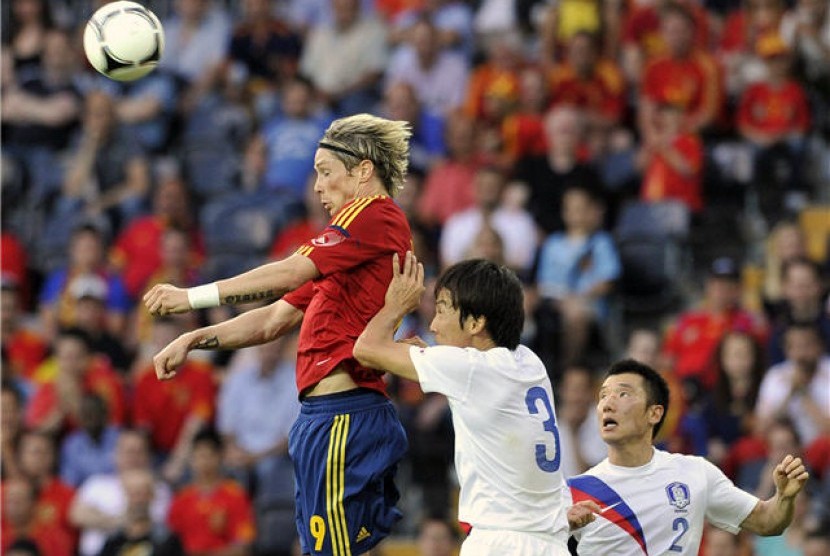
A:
(124, 40)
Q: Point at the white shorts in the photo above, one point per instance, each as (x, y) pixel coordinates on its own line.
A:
(499, 542)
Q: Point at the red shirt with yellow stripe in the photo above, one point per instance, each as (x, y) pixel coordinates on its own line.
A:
(354, 257)
(213, 519)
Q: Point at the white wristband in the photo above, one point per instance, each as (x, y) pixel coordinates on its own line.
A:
(203, 297)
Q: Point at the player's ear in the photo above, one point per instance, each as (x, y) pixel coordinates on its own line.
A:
(655, 413)
(366, 169)
(477, 325)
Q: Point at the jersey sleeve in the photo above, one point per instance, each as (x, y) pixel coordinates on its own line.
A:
(447, 370)
(360, 232)
(301, 297)
(728, 506)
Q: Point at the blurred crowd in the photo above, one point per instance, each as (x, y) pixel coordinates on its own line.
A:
(656, 171)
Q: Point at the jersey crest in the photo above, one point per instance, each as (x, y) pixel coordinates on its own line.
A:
(678, 494)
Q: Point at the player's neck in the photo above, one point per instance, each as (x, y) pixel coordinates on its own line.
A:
(371, 189)
(633, 454)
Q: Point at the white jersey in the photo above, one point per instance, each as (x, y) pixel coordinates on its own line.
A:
(658, 508)
(507, 453)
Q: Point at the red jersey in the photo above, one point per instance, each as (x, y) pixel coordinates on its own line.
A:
(354, 257)
(490, 84)
(775, 110)
(207, 521)
(99, 379)
(662, 182)
(164, 406)
(523, 135)
(641, 27)
(602, 93)
(693, 339)
(52, 509)
(137, 252)
(692, 82)
(49, 541)
(25, 351)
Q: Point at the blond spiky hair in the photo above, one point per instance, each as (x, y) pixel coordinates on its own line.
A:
(383, 142)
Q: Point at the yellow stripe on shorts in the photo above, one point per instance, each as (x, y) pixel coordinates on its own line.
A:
(335, 486)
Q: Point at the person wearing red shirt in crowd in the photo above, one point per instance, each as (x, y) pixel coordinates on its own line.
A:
(642, 39)
(23, 349)
(494, 85)
(448, 188)
(742, 29)
(348, 440)
(20, 521)
(173, 411)
(37, 457)
(211, 515)
(523, 131)
(11, 429)
(673, 162)
(73, 371)
(13, 263)
(137, 252)
(773, 114)
(692, 340)
(685, 75)
(588, 82)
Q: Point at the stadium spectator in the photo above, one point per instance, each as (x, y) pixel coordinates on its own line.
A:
(291, 140)
(23, 348)
(437, 74)
(29, 23)
(136, 251)
(211, 514)
(437, 537)
(267, 46)
(452, 18)
(806, 29)
(173, 412)
(15, 263)
(672, 161)
(20, 521)
(41, 109)
(550, 174)
(718, 542)
(785, 241)
(742, 61)
(493, 89)
(730, 410)
(426, 146)
(487, 245)
(37, 456)
(448, 188)
(348, 82)
(144, 108)
(581, 445)
(694, 335)
(257, 404)
(802, 302)
(564, 20)
(591, 83)
(799, 387)
(684, 75)
(196, 40)
(575, 273)
(523, 130)
(65, 378)
(773, 117)
(100, 503)
(90, 449)
(11, 429)
(139, 531)
(90, 294)
(515, 226)
(108, 175)
(85, 274)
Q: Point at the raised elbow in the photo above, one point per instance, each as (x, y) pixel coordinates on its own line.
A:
(363, 351)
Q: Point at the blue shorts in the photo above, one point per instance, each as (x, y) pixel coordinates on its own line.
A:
(346, 448)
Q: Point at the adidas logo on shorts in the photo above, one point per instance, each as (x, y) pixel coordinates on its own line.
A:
(363, 534)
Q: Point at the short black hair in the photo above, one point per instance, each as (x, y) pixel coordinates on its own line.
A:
(208, 435)
(657, 389)
(25, 545)
(78, 334)
(480, 288)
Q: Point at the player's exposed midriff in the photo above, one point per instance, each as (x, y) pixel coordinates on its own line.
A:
(338, 380)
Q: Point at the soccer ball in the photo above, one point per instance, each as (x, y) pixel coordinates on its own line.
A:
(124, 40)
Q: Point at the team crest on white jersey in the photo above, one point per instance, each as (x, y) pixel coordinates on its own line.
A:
(678, 494)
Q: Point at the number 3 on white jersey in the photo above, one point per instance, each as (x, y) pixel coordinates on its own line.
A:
(535, 394)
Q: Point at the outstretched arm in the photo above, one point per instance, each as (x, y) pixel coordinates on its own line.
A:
(248, 329)
(771, 517)
(376, 347)
(269, 281)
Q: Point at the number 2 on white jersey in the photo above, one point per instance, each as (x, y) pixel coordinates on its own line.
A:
(534, 395)
(683, 525)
